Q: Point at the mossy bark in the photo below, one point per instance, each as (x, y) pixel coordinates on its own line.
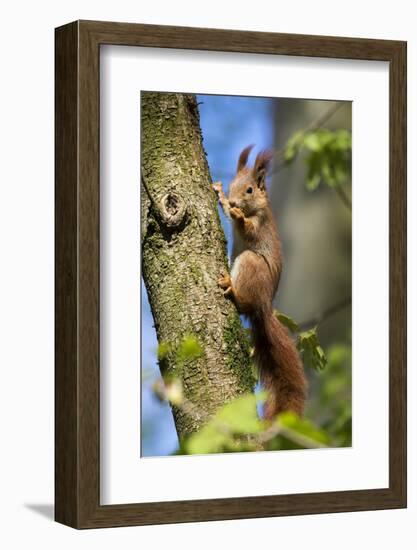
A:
(183, 254)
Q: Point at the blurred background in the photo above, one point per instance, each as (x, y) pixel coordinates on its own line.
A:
(314, 221)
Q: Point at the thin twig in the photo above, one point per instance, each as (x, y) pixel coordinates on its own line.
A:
(341, 193)
(324, 315)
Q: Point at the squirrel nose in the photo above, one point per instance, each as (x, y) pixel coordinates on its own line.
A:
(232, 203)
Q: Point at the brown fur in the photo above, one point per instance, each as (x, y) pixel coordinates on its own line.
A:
(243, 157)
(256, 270)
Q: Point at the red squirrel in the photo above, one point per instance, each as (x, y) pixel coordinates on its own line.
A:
(253, 282)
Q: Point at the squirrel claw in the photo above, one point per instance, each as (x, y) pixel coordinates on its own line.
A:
(218, 188)
(225, 282)
(228, 292)
(236, 213)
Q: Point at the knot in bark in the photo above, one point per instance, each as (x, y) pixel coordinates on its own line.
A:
(173, 210)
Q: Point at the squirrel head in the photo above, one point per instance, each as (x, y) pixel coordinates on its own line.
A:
(247, 190)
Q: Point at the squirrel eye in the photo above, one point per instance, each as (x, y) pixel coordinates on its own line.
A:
(249, 190)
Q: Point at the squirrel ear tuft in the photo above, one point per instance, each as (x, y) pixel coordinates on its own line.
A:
(262, 162)
(243, 157)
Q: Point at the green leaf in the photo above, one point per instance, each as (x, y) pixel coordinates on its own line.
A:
(340, 172)
(327, 172)
(163, 349)
(226, 431)
(313, 171)
(312, 142)
(293, 146)
(207, 440)
(296, 426)
(313, 181)
(329, 155)
(287, 321)
(343, 140)
(311, 351)
(189, 349)
(240, 415)
(289, 154)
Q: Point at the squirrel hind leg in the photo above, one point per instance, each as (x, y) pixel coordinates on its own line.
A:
(230, 291)
(225, 282)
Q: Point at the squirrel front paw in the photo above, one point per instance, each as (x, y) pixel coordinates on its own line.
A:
(218, 187)
(237, 214)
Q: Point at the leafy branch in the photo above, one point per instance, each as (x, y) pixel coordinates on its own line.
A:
(316, 124)
(236, 427)
(308, 343)
(307, 338)
(328, 155)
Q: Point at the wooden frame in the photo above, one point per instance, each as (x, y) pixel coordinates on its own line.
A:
(77, 274)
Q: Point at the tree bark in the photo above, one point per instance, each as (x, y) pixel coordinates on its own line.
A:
(183, 255)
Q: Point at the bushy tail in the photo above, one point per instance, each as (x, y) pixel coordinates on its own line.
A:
(280, 367)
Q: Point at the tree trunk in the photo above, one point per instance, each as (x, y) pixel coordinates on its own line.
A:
(183, 254)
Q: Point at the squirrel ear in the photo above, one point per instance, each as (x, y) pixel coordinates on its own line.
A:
(243, 157)
(262, 162)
